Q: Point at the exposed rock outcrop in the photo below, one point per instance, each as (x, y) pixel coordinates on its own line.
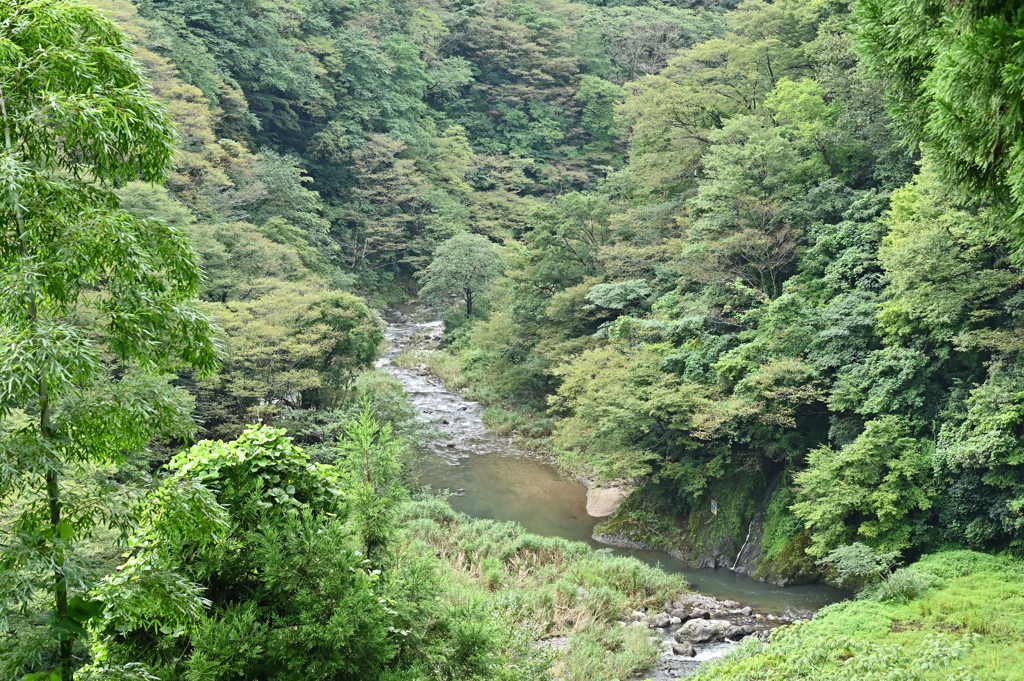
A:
(750, 551)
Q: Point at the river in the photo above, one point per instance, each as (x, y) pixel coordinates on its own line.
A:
(492, 478)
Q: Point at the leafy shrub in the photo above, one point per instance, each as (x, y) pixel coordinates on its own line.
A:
(904, 584)
(872, 571)
(858, 564)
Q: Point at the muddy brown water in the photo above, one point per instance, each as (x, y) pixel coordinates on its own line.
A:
(492, 478)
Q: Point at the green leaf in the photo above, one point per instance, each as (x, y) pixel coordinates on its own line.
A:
(84, 610)
(68, 627)
(65, 531)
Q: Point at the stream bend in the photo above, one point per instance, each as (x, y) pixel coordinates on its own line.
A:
(494, 479)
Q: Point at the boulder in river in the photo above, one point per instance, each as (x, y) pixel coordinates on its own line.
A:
(702, 631)
(699, 614)
(681, 614)
(738, 631)
(684, 649)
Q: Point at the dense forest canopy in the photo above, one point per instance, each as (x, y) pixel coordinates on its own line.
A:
(724, 254)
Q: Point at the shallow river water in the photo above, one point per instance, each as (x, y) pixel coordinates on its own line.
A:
(494, 479)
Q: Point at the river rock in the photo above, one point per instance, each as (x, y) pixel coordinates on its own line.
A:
(730, 604)
(684, 649)
(680, 613)
(738, 631)
(659, 621)
(746, 611)
(674, 621)
(702, 631)
(699, 614)
(603, 501)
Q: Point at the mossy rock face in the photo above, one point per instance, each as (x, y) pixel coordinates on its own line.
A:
(791, 565)
(646, 518)
(694, 533)
(783, 558)
(720, 519)
(707, 532)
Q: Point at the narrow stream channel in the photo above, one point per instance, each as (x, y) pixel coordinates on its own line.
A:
(495, 479)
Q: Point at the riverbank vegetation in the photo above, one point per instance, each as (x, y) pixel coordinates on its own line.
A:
(252, 561)
(965, 625)
(740, 255)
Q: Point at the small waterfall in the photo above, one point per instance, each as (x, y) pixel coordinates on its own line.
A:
(745, 542)
(755, 529)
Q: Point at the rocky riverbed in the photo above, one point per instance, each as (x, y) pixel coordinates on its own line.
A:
(695, 628)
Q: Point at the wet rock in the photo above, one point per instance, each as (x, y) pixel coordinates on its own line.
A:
(738, 631)
(702, 631)
(684, 649)
(659, 621)
(699, 614)
(746, 611)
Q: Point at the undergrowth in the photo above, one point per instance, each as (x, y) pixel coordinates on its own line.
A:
(560, 588)
(968, 625)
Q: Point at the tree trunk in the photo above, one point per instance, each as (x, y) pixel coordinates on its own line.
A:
(469, 302)
(60, 584)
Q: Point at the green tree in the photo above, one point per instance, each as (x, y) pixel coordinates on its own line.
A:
(290, 595)
(95, 303)
(870, 489)
(952, 73)
(370, 460)
(462, 266)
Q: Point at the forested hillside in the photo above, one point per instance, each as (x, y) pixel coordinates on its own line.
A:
(760, 263)
(782, 291)
(333, 147)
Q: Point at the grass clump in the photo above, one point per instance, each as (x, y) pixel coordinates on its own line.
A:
(506, 421)
(447, 366)
(558, 587)
(967, 624)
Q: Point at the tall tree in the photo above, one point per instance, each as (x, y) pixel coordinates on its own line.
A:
(462, 266)
(95, 304)
(952, 73)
